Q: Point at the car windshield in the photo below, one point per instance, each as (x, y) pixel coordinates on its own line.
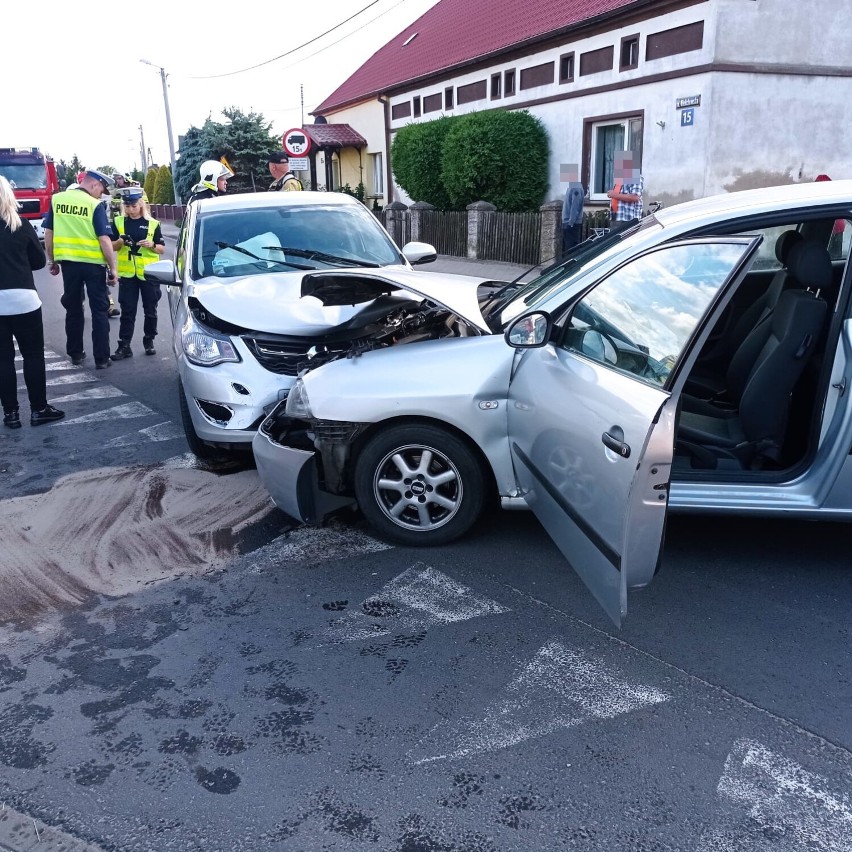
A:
(521, 296)
(255, 241)
(25, 176)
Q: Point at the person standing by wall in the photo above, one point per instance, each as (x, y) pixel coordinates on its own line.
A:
(20, 315)
(138, 240)
(77, 235)
(279, 168)
(626, 194)
(572, 207)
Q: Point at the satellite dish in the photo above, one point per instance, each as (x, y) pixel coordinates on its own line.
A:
(320, 119)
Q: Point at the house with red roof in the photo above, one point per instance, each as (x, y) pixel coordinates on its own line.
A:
(710, 95)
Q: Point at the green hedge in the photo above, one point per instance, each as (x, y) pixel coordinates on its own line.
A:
(495, 156)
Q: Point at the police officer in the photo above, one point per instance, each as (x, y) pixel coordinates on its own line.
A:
(77, 235)
(214, 180)
(139, 241)
(279, 168)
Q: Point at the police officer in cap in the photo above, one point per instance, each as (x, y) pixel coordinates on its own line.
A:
(77, 239)
(139, 241)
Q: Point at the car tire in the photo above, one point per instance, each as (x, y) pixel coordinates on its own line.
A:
(201, 449)
(449, 485)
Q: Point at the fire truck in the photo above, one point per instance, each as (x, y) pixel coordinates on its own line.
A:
(33, 178)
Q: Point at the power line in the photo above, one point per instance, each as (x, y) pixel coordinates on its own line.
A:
(289, 52)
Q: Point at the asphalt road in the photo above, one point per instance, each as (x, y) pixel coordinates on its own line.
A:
(326, 692)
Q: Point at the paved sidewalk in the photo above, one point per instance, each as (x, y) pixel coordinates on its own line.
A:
(491, 269)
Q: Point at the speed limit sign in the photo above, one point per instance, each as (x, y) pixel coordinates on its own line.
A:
(296, 142)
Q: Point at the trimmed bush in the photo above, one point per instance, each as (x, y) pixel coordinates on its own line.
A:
(164, 192)
(416, 156)
(151, 183)
(496, 156)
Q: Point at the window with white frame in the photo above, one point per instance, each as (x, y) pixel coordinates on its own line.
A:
(608, 137)
(378, 174)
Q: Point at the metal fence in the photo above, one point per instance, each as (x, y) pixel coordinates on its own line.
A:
(510, 237)
(447, 231)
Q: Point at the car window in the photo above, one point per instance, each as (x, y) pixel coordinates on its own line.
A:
(639, 319)
(336, 234)
(765, 258)
(841, 240)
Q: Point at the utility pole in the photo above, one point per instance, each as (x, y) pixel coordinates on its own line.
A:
(142, 150)
(163, 77)
(302, 89)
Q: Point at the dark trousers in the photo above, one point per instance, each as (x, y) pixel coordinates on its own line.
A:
(90, 277)
(571, 235)
(129, 291)
(27, 329)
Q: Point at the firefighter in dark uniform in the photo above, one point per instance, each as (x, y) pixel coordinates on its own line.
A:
(138, 240)
(77, 239)
(214, 181)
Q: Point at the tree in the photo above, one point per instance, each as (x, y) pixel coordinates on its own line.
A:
(164, 191)
(416, 155)
(109, 171)
(151, 183)
(245, 140)
(480, 156)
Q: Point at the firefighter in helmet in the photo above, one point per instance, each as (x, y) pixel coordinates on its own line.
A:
(214, 180)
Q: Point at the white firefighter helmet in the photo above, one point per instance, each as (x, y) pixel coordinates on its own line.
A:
(211, 171)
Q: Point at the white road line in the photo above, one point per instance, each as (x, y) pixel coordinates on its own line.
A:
(48, 355)
(799, 809)
(166, 431)
(100, 392)
(53, 366)
(68, 379)
(559, 688)
(416, 600)
(117, 412)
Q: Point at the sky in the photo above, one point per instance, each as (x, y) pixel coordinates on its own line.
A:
(80, 88)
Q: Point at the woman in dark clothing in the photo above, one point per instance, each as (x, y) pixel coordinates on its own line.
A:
(20, 315)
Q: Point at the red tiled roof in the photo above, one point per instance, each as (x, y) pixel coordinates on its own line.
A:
(335, 136)
(454, 32)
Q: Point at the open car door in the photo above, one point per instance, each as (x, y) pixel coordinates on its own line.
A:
(592, 406)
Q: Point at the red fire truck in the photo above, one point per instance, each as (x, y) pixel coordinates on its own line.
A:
(33, 178)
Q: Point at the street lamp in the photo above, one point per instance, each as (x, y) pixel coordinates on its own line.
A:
(163, 76)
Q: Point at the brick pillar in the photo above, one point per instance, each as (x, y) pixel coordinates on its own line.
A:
(394, 220)
(474, 218)
(551, 232)
(416, 222)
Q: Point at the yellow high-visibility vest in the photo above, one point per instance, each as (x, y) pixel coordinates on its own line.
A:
(133, 265)
(74, 235)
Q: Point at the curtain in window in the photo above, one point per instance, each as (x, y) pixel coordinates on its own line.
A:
(610, 139)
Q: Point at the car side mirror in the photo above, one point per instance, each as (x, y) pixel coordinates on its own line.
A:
(419, 253)
(597, 345)
(529, 331)
(162, 272)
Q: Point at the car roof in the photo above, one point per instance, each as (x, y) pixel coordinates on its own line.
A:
(243, 200)
(756, 201)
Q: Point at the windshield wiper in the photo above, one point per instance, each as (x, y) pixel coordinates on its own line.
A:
(312, 254)
(242, 250)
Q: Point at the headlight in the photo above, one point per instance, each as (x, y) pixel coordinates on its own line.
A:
(206, 347)
(298, 405)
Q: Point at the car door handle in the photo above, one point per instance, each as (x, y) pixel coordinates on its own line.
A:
(615, 444)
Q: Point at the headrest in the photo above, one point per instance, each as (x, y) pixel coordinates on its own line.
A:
(810, 264)
(784, 243)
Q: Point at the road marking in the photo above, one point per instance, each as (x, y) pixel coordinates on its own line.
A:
(117, 412)
(68, 379)
(797, 808)
(48, 354)
(559, 688)
(419, 598)
(54, 367)
(100, 392)
(166, 431)
(313, 544)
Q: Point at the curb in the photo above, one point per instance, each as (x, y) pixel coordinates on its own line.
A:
(22, 833)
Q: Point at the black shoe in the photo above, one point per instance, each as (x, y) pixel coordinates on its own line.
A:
(123, 351)
(102, 365)
(113, 312)
(148, 343)
(78, 359)
(12, 419)
(48, 414)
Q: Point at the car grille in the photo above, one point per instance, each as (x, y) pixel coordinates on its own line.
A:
(287, 358)
(29, 205)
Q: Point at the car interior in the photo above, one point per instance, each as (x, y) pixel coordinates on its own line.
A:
(752, 403)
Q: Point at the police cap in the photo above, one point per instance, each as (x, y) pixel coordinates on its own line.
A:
(107, 182)
(131, 196)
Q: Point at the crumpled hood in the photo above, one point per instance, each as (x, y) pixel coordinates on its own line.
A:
(274, 303)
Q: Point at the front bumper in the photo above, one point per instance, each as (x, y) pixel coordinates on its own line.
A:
(291, 476)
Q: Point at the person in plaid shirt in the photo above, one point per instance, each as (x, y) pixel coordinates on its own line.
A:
(626, 195)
